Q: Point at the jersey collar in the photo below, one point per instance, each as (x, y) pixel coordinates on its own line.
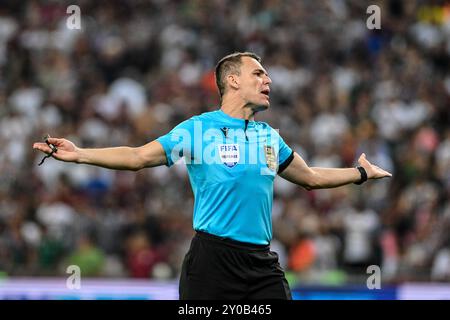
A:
(233, 120)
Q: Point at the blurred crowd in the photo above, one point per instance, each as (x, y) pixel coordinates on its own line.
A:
(136, 68)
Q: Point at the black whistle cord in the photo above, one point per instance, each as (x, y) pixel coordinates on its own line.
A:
(245, 129)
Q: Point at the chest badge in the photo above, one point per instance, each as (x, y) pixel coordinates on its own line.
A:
(229, 154)
(271, 157)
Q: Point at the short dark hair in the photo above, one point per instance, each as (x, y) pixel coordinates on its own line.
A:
(230, 64)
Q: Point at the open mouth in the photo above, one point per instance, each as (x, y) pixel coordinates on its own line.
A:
(266, 92)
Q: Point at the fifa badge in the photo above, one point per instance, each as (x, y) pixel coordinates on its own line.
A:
(229, 154)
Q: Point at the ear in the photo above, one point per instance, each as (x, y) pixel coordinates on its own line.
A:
(233, 81)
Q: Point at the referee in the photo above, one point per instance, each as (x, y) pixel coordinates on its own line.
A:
(232, 161)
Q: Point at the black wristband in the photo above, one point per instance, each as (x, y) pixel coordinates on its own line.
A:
(363, 175)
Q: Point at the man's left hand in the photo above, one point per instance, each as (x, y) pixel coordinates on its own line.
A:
(373, 171)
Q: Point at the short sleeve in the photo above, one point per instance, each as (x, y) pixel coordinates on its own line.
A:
(178, 142)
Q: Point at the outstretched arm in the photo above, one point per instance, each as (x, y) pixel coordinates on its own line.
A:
(299, 173)
(121, 158)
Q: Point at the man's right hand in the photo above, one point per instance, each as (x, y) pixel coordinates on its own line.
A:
(67, 150)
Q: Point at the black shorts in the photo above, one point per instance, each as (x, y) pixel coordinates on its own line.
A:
(216, 268)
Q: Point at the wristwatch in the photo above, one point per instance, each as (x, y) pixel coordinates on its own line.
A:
(363, 175)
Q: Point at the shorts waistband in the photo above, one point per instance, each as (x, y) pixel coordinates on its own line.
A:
(232, 243)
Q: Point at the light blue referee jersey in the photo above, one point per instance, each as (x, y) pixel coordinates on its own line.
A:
(231, 164)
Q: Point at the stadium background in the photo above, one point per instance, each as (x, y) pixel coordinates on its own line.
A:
(137, 68)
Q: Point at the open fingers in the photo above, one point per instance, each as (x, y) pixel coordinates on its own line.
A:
(387, 174)
(55, 141)
(42, 147)
(378, 172)
(382, 173)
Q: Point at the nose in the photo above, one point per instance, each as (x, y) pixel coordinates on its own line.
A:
(268, 80)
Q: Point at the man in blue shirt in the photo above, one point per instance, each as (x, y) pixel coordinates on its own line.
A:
(232, 161)
(230, 176)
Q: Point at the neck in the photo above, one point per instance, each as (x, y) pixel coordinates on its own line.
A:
(237, 109)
